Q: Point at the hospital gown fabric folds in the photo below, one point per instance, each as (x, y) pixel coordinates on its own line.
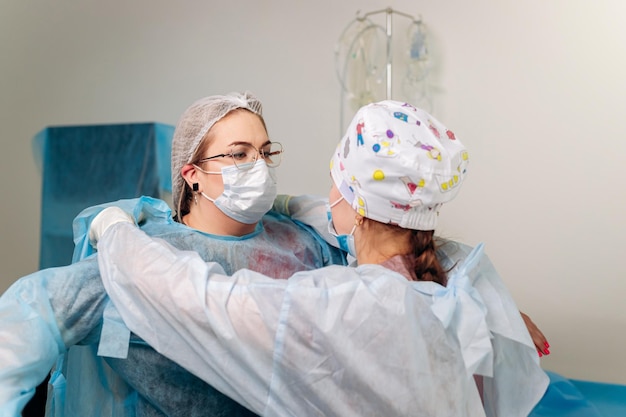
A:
(167, 389)
(563, 398)
(46, 312)
(305, 350)
(146, 380)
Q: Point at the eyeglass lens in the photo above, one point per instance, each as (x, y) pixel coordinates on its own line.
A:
(244, 155)
(272, 154)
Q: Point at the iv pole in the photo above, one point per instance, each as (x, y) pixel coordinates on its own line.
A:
(388, 31)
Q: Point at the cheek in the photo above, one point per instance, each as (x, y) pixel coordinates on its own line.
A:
(214, 185)
(343, 218)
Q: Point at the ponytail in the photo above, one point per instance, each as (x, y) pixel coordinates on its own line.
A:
(425, 262)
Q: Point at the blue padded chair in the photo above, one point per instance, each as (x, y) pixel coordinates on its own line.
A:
(87, 165)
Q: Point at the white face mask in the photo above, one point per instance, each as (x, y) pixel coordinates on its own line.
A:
(248, 194)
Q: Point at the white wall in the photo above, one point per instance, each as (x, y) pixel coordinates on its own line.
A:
(535, 90)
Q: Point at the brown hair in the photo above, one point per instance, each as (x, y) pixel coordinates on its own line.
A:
(425, 262)
(421, 257)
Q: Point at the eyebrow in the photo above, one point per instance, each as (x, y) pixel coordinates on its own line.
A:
(239, 142)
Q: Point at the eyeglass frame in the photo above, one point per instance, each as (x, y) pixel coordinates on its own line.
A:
(258, 152)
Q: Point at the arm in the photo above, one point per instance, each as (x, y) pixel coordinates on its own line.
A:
(330, 336)
(47, 312)
(515, 355)
(30, 345)
(166, 297)
(40, 316)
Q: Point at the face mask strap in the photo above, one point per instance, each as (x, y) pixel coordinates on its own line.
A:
(358, 220)
(336, 202)
(212, 200)
(207, 197)
(207, 172)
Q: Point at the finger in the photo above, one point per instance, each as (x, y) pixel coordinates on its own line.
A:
(540, 341)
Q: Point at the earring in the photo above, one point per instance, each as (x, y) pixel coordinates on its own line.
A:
(194, 187)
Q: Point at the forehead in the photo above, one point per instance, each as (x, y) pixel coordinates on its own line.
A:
(238, 126)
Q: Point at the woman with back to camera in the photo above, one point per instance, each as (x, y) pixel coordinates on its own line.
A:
(406, 332)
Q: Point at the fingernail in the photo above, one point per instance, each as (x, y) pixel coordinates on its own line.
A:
(546, 351)
(540, 354)
(546, 344)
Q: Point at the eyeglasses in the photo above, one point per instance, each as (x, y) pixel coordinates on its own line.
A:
(244, 155)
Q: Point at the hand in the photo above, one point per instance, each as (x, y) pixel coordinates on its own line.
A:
(540, 341)
(105, 219)
(281, 204)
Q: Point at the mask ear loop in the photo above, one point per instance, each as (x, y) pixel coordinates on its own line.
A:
(358, 221)
(336, 202)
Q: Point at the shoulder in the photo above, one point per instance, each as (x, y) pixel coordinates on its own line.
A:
(457, 257)
(372, 276)
(279, 227)
(451, 252)
(273, 216)
(284, 230)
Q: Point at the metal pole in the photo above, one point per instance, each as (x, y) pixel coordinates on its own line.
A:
(389, 30)
(389, 52)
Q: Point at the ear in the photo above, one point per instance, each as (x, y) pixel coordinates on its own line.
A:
(189, 173)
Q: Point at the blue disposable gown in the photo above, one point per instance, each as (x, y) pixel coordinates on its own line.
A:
(341, 341)
(45, 313)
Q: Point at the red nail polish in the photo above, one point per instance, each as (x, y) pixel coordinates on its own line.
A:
(540, 354)
(546, 351)
(546, 344)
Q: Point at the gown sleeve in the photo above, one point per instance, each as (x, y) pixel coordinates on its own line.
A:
(513, 380)
(334, 341)
(41, 315)
(31, 342)
(188, 310)
(45, 313)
